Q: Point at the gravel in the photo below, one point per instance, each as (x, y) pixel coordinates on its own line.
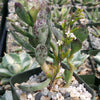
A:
(75, 90)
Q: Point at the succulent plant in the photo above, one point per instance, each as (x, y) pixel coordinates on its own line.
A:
(97, 59)
(37, 26)
(44, 40)
(93, 16)
(15, 63)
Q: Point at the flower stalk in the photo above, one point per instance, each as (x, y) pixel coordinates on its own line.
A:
(70, 71)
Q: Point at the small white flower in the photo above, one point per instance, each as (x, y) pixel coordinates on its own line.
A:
(60, 42)
(16, 23)
(70, 35)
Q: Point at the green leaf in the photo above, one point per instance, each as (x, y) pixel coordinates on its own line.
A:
(23, 43)
(57, 34)
(75, 46)
(97, 58)
(78, 58)
(26, 60)
(0, 65)
(41, 53)
(89, 79)
(67, 76)
(48, 37)
(35, 64)
(88, 14)
(5, 80)
(15, 68)
(10, 59)
(98, 67)
(56, 12)
(5, 73)
(81, 33)
(91, 52)
(97, 31)
(34, 87)
(21, 12)
(23, 32)
(33, 12)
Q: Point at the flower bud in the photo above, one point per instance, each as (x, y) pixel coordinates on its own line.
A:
(18, 5)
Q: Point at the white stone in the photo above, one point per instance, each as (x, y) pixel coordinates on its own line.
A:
(54, 96)
(61, 98)
(63, 90)
(29, 96)
(31, 78)
(56, 87)
(35, 75)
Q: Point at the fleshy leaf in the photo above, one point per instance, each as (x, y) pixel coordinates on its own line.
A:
(41, 53)
(5, 73)
(10, 59)
(67, 76)
(5, 80)
(81, 33)
(23, 32)
(23, 43)
(21, 12)
(34, 87)
(33, 12)
(15, 68)
(97, 58)
(75, 46)
(57, 34)
(26, 60)
(79, 59)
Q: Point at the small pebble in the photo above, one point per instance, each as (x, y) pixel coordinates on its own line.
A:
(43, 78)
(74, 91)
(66, 95)
(45, 92)
(44, 98)
(29, 96)
(59, 81)
(63, 90)
(56, 88)
(38, 96)
(61, 98)
(35, 76)
(50, 94)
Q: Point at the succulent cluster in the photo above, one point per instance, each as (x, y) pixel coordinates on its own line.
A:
(45, 39)
(14, 63)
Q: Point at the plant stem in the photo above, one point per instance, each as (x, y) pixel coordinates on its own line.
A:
(53, 79)
(72, 67)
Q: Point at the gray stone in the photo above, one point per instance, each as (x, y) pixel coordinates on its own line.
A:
(50, 94)
(45, 92)
(67, 95)
(38, 96)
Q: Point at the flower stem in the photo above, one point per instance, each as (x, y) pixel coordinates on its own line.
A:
(53, 79)
(70, 72)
